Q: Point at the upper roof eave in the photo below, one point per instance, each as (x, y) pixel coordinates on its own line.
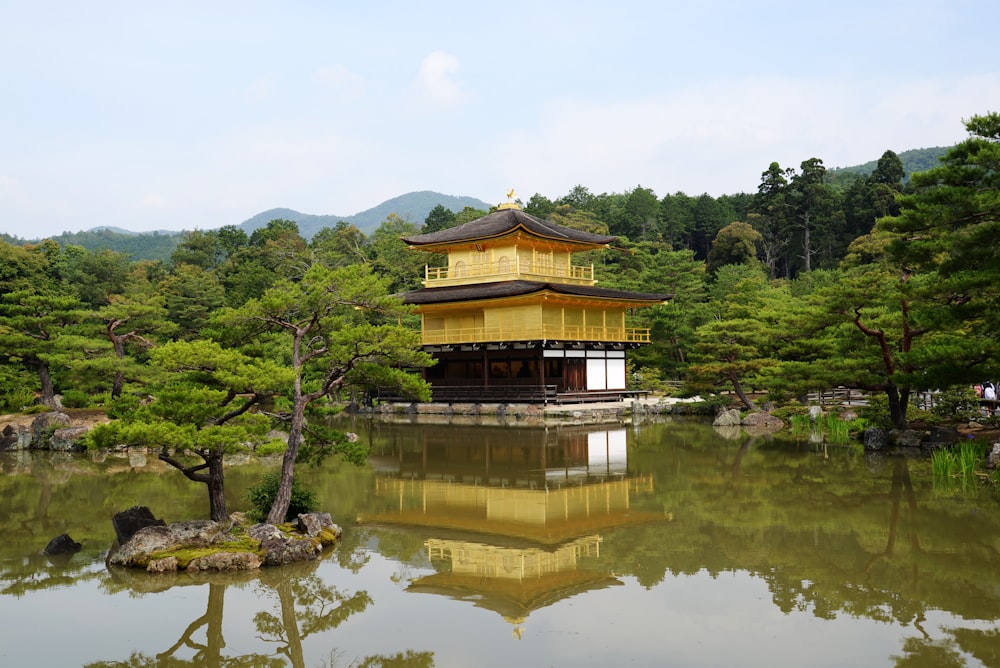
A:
(500, 290)
(506, 221)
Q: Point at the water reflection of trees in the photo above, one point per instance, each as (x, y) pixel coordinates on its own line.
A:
(306, 606)
(303, 606)
(829, 533)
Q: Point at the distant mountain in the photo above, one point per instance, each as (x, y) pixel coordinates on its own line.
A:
(161, 244)
(137, 245)
(914, 160)
(413, 207)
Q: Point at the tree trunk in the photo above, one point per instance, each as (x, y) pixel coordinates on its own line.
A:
(291, 624)
(213, 634)
(119, 381)
(738, 387)
(283, 498)
(216, 487)
(898, 400)
(48, 389)
(807, 244)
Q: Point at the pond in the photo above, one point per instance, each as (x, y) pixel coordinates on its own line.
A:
(472, 545)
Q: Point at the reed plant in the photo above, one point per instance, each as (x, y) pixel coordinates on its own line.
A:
(800, 424)
(970, 454)
(961, 465)
(944, 464)
(832, 427)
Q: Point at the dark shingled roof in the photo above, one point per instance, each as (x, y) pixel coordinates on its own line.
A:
(503, 222)
(462, 293)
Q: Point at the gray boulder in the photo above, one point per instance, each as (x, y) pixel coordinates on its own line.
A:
(938, 436)
(763, 421)
(68, 438)
(225, 561)
(313, 523)
(875, 439)
(993, 458)
(727, 418)
(15, 438)
(43, 426)
(906, 438)
(165, 565)
(128, 522)
(280, 549)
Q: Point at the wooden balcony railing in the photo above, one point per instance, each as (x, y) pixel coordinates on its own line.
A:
(507, 270)
(546, 332)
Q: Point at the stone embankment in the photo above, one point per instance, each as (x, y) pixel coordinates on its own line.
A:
(589, 412)
(52, 430)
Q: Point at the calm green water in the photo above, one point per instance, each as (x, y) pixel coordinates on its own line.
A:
(661, 544)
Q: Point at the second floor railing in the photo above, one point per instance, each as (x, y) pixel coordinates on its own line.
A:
(543, 332)
(505, 270)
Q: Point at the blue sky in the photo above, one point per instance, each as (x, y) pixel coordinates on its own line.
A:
(183, 115)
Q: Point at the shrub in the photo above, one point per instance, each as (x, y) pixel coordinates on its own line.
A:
(75, 399)
(273, 447)
(16, 399)
(876, 411)
(261, 497)
(122, 406)
(957, 403)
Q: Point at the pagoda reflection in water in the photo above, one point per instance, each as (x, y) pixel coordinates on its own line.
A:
(515, 516)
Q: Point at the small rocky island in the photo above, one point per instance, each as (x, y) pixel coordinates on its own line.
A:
(143, 541)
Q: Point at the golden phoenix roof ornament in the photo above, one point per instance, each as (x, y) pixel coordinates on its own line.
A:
(510, 203)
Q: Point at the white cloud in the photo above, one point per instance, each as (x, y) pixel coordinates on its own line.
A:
(719, 138)
(260, 90)
(341, 81)
(435, 85)
(8, 185)
(152, 201)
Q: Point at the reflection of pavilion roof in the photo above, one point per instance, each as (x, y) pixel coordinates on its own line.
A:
(504, 222)
(512, 599)
(460, 293)
(511, 580)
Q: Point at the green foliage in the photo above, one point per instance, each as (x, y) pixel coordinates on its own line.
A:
(737, 343)
(960, 466)
(736, 243)
(913, 160)
(272, 447)
(945, 238)
(957, 403)
(16, 390)
(185, 555)
(832, 427)
(876, 412)
(75, 399)
(340, 246)
(261, 496)
(393, 259)
(439, 218)
(153, 246)
(122, 406)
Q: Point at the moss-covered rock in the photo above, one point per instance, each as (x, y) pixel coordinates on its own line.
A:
(202, 545)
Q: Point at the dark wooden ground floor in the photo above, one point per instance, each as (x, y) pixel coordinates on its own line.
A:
(528, 373)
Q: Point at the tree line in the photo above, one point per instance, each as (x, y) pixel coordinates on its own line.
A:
(873, 282)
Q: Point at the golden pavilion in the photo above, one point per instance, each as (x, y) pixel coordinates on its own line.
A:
(511, 318)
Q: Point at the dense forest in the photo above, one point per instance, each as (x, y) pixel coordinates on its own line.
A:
(875, 279)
